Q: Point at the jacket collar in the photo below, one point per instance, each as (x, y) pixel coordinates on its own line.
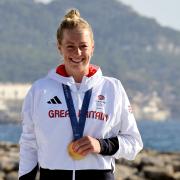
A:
(91, 80)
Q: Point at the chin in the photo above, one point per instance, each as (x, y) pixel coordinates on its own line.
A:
(80, 68)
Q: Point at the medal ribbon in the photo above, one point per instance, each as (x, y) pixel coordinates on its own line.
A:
(77, 127)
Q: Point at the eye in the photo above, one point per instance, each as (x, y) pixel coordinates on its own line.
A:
(84, 46)
(70, 47)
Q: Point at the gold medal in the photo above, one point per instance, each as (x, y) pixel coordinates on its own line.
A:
(74, 154)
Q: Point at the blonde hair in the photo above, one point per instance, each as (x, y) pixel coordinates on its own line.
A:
(73, 20)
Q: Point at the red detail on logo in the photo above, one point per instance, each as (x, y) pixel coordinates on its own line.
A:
(101, 97)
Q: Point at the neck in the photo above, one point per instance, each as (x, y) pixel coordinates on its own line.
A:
(78, 76)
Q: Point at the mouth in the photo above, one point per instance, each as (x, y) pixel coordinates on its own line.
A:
(76, 60)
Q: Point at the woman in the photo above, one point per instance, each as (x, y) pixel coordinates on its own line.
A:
(76, 121)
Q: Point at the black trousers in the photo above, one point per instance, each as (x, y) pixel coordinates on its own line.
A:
(79, 174)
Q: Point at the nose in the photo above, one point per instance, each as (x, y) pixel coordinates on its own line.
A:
(78, 51)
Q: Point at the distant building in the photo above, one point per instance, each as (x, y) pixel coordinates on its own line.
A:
(11, 98)
(13, 91)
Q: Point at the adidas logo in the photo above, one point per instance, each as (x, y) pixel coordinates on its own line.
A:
(54, 100)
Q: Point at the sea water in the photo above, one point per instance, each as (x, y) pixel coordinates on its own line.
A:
(161, 136)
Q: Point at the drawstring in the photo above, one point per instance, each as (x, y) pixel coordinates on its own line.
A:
(73, 175)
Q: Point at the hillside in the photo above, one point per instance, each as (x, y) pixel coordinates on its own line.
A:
(135, 49)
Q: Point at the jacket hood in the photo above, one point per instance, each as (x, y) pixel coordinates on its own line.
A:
(91, 80)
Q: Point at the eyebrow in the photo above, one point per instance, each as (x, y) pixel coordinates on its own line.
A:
(69, 42)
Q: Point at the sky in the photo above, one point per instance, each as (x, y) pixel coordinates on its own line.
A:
(43, 1)
(166, 12)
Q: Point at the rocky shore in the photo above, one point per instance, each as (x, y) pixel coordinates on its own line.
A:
(148, 165)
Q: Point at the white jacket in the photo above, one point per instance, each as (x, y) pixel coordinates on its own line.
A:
(47, 129)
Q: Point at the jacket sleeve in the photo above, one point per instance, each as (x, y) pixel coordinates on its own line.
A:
(28, 145)
(109, 146)
(130, 142)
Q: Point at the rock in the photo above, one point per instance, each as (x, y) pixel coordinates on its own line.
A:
(124, 172)
(12, 176)
(148, 165)
(8, 164)
(157, 173)
(151, 161)
(176, 165)
(169, 168)
(2, 175)
(177, 176)
(135, 177)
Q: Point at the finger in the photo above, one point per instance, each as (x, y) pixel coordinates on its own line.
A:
(86, 138)
(93, 144)
(86, 152)
(83, 140)
(83, 148)
(77, 144)
(80, 147)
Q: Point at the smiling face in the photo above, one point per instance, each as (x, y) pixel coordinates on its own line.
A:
(77, 48)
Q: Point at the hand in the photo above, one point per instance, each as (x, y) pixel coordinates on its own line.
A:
(86, 145)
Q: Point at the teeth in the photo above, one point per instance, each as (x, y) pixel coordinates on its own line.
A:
(76, 60)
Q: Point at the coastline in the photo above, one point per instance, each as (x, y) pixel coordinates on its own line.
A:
(12, 95)
(149, 164)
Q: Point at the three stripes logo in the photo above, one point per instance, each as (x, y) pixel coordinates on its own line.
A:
(54, 100)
